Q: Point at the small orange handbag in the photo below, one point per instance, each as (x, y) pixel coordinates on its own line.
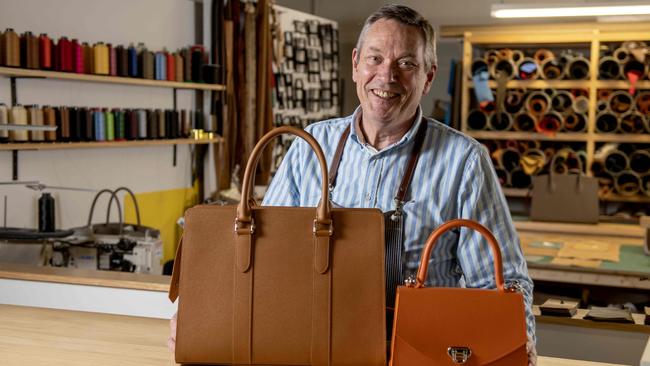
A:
(448, 326)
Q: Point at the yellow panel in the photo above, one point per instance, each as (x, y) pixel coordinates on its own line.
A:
(161, 210)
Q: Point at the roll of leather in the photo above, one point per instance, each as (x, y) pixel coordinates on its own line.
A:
(606, 122)
(147, 65)
(551, 122)
(621, 55)
(63, 118)
(18, 116)
(538, 103)
(100, 125)
(562, 102)
(517, 56)
(632, 122)
(477, 120)
(645, 188)
(609, 69)
(542, 55)
(197, 55)
(162, 127)
(78, 57)
(501, 121)
(575, 122)
(35, 118)
(133, 62)
(620, 102)
(527, 69)
(120, 125)
(171, 66)
(479, 65)
(532, 161)
(121, 61)
(89, 58)
(101, 59)
(505, 66)
(577, 68)
(112, 60)
(45, 51)
(491, 56)
(581, 104)
(4, 120)
(75, 124)
(552, 70)
(64, 54)
(10, 54)
(514, 100)
(640, 162)
(524, 121)
(642, 103)
(180, 66)
(160, 69)
(142, 118)
(109, 120)
(616, 162)
(627, 184)
(519, 179)
(88, 124)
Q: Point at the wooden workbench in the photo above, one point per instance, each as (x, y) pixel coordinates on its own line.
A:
(36, 336)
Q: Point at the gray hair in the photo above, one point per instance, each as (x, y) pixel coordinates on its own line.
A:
(406, 16)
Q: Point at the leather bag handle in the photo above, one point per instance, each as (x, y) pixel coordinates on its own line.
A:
(135, 203)
(322, 211)
(113, 197)
(437, 233)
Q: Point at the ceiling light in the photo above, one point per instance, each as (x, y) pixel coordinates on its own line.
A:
(569, 10)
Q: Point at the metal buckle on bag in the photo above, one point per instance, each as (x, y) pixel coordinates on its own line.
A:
(459, 355)
(252, 226)
(315, 229)
(410, 281)
(514, 286)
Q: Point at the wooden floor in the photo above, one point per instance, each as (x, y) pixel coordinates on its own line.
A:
(36, 336)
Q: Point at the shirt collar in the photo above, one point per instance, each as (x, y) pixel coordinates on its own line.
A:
(355, 131)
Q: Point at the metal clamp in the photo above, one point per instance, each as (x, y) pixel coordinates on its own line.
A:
(398, 210)
(459, 355)
(252, 226)
(315, 229)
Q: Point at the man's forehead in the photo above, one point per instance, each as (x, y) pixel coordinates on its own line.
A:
(383, 30)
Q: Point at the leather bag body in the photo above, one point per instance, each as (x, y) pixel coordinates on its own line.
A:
(280, 285)
(565, 198)
(449, 326)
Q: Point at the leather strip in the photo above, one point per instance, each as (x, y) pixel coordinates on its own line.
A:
(336, 161)
(176, 273)
(242, 310)
(243, 250)
(321, 332)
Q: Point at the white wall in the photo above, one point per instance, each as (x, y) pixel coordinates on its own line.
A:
(157, 23)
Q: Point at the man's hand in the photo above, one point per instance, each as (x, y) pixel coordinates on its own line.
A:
(171, 341)
(530, 348)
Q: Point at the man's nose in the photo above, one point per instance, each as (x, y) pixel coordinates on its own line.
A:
(387, 71)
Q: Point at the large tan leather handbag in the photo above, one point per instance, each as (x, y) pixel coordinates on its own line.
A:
(280, 285)
(449, 326)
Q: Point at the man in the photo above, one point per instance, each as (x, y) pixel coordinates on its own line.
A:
(394, 64)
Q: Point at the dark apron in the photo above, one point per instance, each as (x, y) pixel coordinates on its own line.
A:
(393, 220)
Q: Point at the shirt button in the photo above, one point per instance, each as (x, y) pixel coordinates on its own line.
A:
(368, 197)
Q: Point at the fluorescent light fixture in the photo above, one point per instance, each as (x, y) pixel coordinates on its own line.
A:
(570, 10)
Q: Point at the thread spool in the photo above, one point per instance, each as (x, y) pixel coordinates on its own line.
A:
(89, 124)
(100, 125)
(527, 69)
(152, 124)
(575, 122)
(632, 122)
(552, 70)
(142, 123)
(121, 61)
(500, 121)
(581, 104)
(30, 51)
(197, 54)
(45, 51)
(132, 55)
(109, 120)
(18, 116)
(35, 118)
(180, 66)
(519, 179)
(627, 184)
(645, 184)
(101, 58)
(578, 68)
(120, 125)
(542, 55)
(620, 102)
(606, 122)
(538, 103)
(162, 126)
(64, 55)
(46, 217)
(185, 123)
(168, 124)
(616, 162)
(147, 65)
(4, 120)
(477, 120)
(171, 66)
(640, 162)
(504, 66)
(550, 122)
(187, 63)
(609, 68)
(176, 128)
(562, 102)
(10, 54)
(88, 58)
(79, 57)
(514, 100)
(75, 124)
(160, 66)
(524, 122)
(621, 55)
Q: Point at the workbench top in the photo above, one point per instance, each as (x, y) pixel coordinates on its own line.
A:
(36, 336)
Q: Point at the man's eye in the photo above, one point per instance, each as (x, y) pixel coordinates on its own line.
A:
(374, 59)
(406, 65)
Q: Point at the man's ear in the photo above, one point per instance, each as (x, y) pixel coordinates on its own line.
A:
(431, 74)
(355, 64)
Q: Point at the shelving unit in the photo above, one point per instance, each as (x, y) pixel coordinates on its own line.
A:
(104, 144)
(585, 36)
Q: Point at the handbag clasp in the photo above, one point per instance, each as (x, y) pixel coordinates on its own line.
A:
(251, 228)
(459, 355)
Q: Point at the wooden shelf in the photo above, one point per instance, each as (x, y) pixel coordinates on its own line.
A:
(567, 84)
(28, 73)
(621, 84)
(516, 192)
(510, 135)
(623, 138)
(524, 193)
(103, 144)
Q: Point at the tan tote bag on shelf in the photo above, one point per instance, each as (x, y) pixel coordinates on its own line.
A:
(280, 285)
(448, 326)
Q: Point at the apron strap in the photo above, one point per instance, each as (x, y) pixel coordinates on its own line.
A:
(334, 169)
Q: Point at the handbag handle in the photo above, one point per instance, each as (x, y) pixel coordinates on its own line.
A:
(113, 197)
(551, 174)
(323, 221)
(135, 203)
(437, 233)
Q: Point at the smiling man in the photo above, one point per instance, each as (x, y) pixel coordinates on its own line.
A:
(418, 171)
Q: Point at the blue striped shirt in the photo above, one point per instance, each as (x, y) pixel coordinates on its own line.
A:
(454, 178)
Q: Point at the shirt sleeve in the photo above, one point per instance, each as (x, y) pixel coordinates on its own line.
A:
(283, 189)
(481, 200)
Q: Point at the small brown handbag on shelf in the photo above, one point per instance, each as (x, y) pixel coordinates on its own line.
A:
(448, 326)
(280, 285)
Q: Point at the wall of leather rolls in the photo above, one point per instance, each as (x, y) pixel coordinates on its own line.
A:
(618, 111)
(100, 124)
(532, 110)
(516, 162)
(624, 61)
(622, 169)
(190, 64)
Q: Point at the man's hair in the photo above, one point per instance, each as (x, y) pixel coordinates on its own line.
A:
(406, 16)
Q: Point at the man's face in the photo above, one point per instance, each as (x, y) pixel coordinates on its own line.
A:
(390, 74)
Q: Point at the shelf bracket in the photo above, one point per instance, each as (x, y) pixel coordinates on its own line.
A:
(174, 149)
(14, 165)
(14, 98)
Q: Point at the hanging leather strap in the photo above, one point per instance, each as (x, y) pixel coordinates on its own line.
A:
(408, 173)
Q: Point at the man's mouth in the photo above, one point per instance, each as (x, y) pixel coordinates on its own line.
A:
(384, 94)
